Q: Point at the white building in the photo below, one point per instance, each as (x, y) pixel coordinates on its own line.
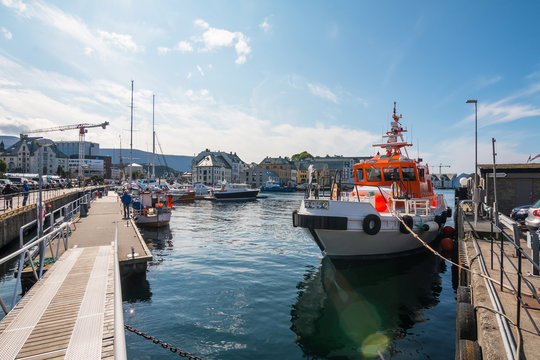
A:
(90, 167)
(23, 157)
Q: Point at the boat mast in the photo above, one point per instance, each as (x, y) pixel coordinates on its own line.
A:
(153, 141)
(131, 138)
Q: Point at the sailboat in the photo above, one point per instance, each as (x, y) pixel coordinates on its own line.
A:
(154, 206)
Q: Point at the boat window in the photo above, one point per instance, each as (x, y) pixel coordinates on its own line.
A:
(359, 174)
(421, 174)
(391, 173)
(373, 174)
(408, 173)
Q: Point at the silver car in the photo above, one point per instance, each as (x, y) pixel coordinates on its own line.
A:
(532, 221)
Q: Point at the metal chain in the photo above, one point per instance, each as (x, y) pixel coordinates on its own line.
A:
(163, 344)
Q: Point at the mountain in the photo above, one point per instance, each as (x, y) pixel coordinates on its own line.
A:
(9, 140)
(177, 162)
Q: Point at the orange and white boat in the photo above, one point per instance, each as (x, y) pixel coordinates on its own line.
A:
(362, 219)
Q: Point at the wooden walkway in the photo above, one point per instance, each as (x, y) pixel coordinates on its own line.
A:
(69, 313)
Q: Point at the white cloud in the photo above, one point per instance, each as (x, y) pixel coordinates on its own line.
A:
(214, 38)
(185, 46)
(120, 41)
(7, 34)
(322, 92)
(101, 42)
(189, 75)
(265, 26)
(200, 70)
(163, 50)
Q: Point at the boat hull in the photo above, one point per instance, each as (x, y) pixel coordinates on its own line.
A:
(187, 196)
(236, 195)
(153, 221)
(343, 244)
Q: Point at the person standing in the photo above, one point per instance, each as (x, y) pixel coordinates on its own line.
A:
(126, 200)
(25, 190)
(8, 196)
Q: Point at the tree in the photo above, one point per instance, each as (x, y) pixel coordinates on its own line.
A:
(303, 155)
(3, 166)
(60, 171)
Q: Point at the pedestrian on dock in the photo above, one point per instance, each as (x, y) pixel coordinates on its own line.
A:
(25, 190)
(8, 195)
(126, 201)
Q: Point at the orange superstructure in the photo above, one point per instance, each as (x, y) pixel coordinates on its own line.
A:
(407, 177)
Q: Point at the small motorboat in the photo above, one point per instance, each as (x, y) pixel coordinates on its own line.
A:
(152, 209)
(271, 186)
(367, 219)
(234, 192)
(182, 192)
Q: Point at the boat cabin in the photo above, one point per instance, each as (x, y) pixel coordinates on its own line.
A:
(406, 175)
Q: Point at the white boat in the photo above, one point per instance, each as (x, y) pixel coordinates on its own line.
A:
(152, 209)
(361, 220)
(235, 192)
(182, 192)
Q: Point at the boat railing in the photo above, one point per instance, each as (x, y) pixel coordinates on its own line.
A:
(349, 192)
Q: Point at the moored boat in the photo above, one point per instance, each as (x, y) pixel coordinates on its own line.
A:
(152, 209)
(271, 186)
(235, 192)
(367, 219)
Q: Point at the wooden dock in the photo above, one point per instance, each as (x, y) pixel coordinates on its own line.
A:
(69, 312)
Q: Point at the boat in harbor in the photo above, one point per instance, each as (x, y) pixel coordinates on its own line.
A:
(182, 192)
(229, 191)
(383, 213)
(152, 209)
(271, 186)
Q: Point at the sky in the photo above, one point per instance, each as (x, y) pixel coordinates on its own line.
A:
(275, 78)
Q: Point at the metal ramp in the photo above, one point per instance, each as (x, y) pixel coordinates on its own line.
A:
(67, 314)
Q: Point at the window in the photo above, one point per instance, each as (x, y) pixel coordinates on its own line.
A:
(391, 173)
(408, 174)
(421, 174)
(373, 174)
(360, 174)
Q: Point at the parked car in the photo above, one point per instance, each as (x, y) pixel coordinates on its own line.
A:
(518, 214)
(532, 221)
(3, 182)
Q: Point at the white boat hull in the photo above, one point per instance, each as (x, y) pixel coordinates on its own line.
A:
(156, 220)
(338, 229)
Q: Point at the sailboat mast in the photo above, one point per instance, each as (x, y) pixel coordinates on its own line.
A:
(131, 138)
(153, 141)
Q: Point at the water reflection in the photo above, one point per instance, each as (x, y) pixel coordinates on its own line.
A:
(136, 288)
(358, 310)
(158, 239)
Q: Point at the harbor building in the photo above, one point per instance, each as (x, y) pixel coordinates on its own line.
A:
(72, 148)
(326, 167)
(285, 169)
(212, 167)
(257, 176)
(517, 184)
(23, 157)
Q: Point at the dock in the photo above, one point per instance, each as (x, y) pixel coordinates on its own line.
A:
(70, 312)
(502, 286)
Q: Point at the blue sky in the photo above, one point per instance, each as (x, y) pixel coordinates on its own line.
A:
(270, 78)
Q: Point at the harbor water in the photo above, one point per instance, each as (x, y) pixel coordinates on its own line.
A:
(235, 280)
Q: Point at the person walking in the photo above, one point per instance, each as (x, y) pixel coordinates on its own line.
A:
(25, 190)
(126, 200)
(8, 196)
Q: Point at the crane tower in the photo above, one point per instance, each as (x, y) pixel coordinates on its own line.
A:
(82, 131)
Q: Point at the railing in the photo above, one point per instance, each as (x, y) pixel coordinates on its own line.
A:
(497, 238)
(56, 226)
(353, 193)
(119, 335)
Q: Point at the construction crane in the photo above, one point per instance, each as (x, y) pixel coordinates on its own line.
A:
(441, 166)
(82, 131)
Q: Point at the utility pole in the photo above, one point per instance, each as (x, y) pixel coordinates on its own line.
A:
(131, 138)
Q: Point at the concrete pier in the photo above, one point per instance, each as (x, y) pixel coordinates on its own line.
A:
(488, 296)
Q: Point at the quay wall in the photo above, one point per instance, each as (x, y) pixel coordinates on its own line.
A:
(11, 222)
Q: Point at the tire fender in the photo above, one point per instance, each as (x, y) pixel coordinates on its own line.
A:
(371, 224)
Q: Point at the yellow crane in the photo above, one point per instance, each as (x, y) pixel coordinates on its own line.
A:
(82, 131)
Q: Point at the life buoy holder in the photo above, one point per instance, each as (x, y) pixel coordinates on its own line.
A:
(408, 221)
(334, 192)
(371, 224)
(396, 190)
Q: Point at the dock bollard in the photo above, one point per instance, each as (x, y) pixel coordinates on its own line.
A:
(84, 210)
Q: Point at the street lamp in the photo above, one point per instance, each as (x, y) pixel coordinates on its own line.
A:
(476, 195)
(41, 143)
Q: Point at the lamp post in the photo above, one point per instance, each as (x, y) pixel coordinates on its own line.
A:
(41, 143)
(476, 195)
